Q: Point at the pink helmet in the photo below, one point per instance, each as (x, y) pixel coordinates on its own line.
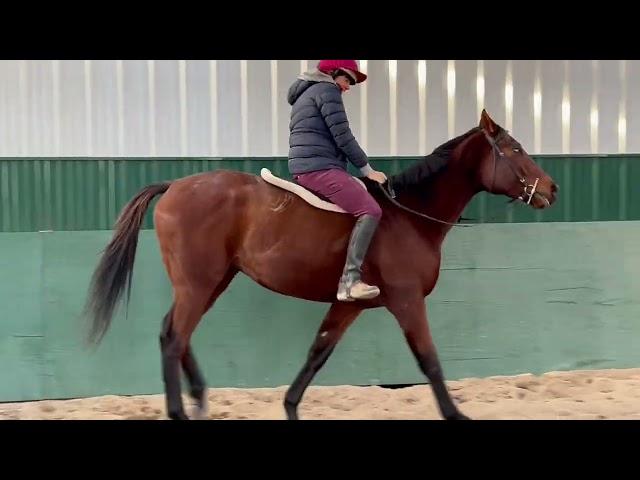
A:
(351, 66)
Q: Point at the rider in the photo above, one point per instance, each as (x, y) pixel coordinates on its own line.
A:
(320, 144)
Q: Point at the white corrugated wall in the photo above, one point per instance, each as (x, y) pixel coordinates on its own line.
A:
(239, 107)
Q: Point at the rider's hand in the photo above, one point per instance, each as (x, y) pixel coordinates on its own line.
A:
(377, 176)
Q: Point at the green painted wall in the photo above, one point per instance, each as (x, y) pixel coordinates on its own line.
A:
(87, 193)
(512, 298)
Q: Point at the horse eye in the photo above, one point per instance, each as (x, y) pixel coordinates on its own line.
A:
(516, 150)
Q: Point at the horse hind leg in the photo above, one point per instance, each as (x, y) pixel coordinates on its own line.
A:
(178, 326)
(197, 385)
(190, 367)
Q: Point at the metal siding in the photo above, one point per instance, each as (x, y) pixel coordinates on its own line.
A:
(167, 108)
(103, 107)
(77, 108)
(87, 194)
(378, 123)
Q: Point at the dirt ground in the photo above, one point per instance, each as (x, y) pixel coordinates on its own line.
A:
(593, 394)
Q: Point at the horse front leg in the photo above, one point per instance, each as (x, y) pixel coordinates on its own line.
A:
(335, 323)
(412, 318)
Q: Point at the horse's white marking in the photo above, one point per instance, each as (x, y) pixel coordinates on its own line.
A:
(198, 413)
(282, 205)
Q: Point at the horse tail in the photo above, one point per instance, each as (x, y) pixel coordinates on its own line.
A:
(116, 265)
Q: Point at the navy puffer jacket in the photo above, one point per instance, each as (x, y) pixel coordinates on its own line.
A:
(320, 137)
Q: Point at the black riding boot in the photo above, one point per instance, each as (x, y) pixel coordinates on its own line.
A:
(351, 287)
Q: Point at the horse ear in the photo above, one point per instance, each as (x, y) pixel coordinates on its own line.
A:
(487, 123)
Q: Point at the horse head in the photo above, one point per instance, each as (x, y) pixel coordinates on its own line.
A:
(507, 169)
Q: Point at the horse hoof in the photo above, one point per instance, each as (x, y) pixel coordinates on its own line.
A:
(458, 416)
(178, 416)
(201, 410)
(292, 415)
(292, 412)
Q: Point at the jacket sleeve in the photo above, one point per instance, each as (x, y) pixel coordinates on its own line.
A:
(332, 109)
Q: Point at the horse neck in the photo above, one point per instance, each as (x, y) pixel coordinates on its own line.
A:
(447, 197)
(444, 196)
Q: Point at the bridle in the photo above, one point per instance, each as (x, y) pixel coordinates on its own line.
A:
(529, 190)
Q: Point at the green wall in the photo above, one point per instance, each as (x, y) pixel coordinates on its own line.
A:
(512, 298)
(87, 193)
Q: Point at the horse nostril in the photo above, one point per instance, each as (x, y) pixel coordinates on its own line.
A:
(554, 187)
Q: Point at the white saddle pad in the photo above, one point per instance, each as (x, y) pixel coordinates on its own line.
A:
(302, 192)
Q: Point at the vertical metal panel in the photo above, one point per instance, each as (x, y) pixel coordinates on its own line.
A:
(273, 70)
(480, 87)
(436, 103)
(422, 107)
(182, 99)
(288, 70)
(408, 108)
(508, 96)
(213, 105)
(88, 104)
(537, 109)
(494, 75)
(465, 108)
(363, 118)
(55, 105)
(392, 67)
(594, 114)
(104, 107)
(523, 90)
(259, 106)
(167, 110)
(11, 124)
(40, 118)
(609, 95)
(136, 108)
(198, 108)
(229, 109)
(581, 90)
(451, 98)
(22, 113)
(552, 76)
(120, 105)
(151, 92)
(4, 108)
(378, 109)
(622, 108)
(73, 121)
(633, 192)
(244, 109)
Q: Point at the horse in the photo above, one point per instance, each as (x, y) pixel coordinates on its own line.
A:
(212, 225)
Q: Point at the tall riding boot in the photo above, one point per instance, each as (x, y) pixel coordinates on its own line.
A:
(351, 287)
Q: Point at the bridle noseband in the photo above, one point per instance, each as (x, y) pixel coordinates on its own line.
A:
(529, 190)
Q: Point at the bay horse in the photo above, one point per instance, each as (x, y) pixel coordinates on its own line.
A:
(211, 226)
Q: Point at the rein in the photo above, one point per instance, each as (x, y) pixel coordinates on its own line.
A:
(529, 189)
(391, 195)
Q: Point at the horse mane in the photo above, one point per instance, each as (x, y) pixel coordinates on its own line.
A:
(418, 173)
